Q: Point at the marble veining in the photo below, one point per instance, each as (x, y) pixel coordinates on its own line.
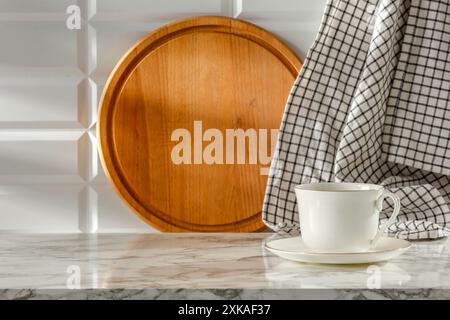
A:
(188, 266)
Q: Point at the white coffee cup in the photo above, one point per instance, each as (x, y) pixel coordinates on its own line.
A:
(342, 217)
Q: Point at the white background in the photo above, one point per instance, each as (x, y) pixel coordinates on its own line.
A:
(51, 79)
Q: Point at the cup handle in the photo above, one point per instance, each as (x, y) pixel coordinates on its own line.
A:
(379, 206)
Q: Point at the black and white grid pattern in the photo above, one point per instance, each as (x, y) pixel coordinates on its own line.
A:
(371, 104)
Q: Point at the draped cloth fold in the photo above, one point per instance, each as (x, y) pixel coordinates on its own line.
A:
(371, 104)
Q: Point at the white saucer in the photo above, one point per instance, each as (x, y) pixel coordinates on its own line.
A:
(294, 249)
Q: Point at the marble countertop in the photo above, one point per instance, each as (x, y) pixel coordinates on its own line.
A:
(167, 264)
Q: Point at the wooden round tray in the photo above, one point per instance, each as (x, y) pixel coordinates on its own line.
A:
(183, 79)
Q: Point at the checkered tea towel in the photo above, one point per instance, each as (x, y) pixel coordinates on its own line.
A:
(371, 104)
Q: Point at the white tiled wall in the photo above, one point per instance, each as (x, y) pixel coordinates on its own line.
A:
(51, 79)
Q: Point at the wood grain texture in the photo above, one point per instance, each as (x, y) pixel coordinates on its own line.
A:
(224, 72)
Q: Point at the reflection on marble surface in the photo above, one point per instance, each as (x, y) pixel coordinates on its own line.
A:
(155, 262)
(425, 265)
